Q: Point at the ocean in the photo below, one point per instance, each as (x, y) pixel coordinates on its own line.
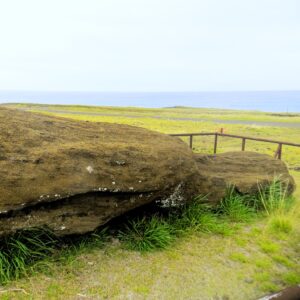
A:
(269, 101)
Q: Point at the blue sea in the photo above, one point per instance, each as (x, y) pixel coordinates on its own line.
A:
(269, 101)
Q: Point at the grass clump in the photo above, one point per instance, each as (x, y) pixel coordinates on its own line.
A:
(32, 250)
(269, 247)
(277, 204)
(236, 207)
(263, 263)
(19, 252)
(291, 278)
(198, 217)
(159, 231)
(270, 287)
(239, 257)
(275, 198)
(281, 223)
(283, 261)
(147, 234)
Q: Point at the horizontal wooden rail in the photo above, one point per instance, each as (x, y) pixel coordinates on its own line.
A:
(278, 153)
(259, 139)
(194, 134)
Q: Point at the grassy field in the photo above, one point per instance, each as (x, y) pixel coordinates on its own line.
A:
(252, 259)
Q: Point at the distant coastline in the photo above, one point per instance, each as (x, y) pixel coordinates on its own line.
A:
(268, 101)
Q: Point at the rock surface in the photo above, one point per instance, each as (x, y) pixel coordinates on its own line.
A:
(75, 176)
(246, 171)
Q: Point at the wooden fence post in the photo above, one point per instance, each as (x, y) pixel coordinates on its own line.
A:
(216, 143)
(191, 141)
(279, 151)
(243, 144)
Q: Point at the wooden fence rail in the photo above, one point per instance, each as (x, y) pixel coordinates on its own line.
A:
(278, 153)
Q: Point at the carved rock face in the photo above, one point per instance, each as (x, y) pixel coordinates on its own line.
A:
(75, 176)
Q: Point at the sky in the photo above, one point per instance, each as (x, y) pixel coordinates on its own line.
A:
(149, 45)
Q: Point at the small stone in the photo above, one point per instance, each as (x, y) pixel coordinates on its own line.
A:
(248, 280)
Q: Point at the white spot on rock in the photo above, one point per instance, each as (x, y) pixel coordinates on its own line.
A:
(90, 169)
(175, 199)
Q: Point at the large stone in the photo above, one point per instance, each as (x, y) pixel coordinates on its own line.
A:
(246, 171)
(75, 176)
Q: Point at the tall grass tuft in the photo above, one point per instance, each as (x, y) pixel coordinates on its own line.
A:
(281, 223)
(237, 207)
(277, 204)
(275, 197)
(147, 234)
(21, 250)
(197, 216)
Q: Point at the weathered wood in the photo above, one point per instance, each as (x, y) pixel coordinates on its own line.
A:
(243, 144)
(216, 143)
(191, 141)
(278, 153)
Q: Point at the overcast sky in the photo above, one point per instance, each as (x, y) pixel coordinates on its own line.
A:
(155, 45)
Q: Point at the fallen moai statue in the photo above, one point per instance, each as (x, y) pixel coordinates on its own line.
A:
(75, 176)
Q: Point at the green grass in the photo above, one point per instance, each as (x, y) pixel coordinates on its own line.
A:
(239, 257)
(237, 207)
(269, 247)
(202, 113)
(30, 251)
(291, 278)
(283, 261)
(275, 198)
(147, 234)
(198, 217)
(20, 252)
(281, 223)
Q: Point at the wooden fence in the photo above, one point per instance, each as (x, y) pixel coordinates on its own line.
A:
(278, 153)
